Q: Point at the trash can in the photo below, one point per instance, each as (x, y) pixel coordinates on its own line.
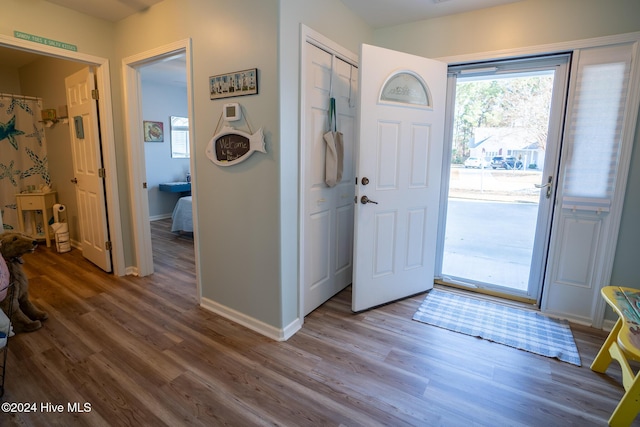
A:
(61, 230)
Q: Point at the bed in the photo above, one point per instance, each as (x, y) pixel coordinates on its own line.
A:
(182, 215)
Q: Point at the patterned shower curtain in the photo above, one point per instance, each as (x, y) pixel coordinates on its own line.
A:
(23, 153)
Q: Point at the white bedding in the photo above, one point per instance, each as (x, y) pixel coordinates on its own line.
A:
(182, 215)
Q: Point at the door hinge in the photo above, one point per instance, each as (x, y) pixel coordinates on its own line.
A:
(95, 94)
(107, 245)
(102, 173)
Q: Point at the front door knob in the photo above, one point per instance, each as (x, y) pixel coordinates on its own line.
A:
(364, 200)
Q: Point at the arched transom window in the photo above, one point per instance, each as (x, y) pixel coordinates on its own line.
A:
(405, 87)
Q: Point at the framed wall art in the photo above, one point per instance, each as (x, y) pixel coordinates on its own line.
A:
(238, 83)
(153, 131)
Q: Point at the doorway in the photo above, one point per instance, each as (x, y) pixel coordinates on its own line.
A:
(103, 84)
(164, 103)
(580, 265)
(505, 146)
(134, 117)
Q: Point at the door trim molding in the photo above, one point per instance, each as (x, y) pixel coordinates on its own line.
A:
(107, 137)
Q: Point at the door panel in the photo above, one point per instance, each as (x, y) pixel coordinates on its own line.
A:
(87, 162)
(399, 167)
(385, 231)
(388, 147)
(318, 262)
(577, 246)
(415, 238)
(420, 157)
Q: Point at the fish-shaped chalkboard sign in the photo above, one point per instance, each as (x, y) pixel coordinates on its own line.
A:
(230, 146)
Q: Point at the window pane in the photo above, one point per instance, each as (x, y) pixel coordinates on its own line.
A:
(405, 88)
(179, 137)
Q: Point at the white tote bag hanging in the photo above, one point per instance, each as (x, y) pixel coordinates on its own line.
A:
(334, 149)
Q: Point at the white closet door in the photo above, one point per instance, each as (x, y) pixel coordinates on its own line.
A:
(327, 229)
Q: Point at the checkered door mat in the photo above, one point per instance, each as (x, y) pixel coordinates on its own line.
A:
(523, 329)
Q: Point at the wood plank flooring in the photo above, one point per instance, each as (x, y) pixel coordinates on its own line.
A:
(140, 352)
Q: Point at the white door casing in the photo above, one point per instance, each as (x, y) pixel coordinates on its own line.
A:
(400, 154)
(87, 166)
(135, 151)
(327, 223)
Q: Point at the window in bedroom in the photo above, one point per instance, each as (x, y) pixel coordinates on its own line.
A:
(179, 137)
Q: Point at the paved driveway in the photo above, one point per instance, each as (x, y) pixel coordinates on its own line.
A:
(491, 240)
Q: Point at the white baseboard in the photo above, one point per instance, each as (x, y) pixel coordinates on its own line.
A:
(158, 217)
(256, 325)
(608, 325)
(131, 271)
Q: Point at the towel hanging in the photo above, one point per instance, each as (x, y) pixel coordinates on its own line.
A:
(334, 150)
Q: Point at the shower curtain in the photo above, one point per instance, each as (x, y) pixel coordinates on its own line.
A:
(23, 153)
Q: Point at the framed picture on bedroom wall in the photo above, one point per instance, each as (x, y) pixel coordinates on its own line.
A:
(153, 131)
(238, 83)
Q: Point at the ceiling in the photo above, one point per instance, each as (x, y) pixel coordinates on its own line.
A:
(110, 10)
(376, 13)
(384, 13)
(171, 70)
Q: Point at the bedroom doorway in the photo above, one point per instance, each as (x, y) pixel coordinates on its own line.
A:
(164, 99)
(154, 81)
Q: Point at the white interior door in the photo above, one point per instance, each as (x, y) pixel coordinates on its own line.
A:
(328, 211)
(87, 165)
(399, 163)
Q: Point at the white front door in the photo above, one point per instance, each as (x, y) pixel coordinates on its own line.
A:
(327, 223)
(398, 165)
(87, 167)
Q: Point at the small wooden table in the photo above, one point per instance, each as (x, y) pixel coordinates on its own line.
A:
(623, 344)
(36, 202)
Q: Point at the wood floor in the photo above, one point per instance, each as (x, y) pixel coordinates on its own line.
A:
(140, 352)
